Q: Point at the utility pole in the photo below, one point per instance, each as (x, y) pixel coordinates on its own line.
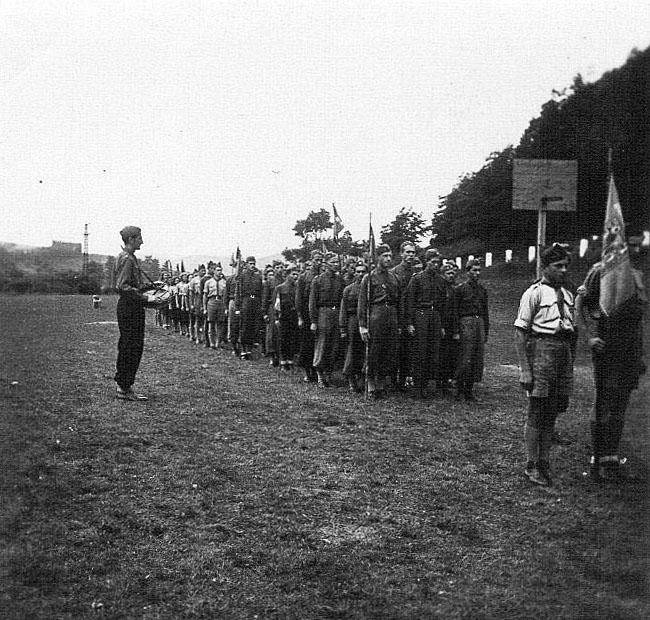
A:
(84, 264)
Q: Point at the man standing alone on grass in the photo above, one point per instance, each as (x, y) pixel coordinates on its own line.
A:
(130, 314)
(545, 327)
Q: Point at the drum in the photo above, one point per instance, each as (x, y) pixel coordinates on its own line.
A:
(162, 297)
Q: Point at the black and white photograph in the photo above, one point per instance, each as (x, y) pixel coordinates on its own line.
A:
(318, 309)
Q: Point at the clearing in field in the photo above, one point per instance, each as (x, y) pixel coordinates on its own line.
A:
(239, 492)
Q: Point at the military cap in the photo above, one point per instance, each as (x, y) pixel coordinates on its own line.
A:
(251, 259)
(475, 262)
(383, 248)
(316, 254)
(129, 231)
(553, 254)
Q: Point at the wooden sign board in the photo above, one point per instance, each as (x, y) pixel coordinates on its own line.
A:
(547, 184)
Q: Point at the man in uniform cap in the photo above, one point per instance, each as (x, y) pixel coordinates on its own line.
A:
(545, 331)
(426, 305)
(403, 272)
(251, 307)
(471, 307)
(349, 326)
(377, 312)
(324, 300)
(130, 314)
(303, 286)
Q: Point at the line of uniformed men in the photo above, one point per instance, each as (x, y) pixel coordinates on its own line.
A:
(408, 325)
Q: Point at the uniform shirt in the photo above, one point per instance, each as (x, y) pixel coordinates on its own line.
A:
(326, 291)
(285, 300)
(183, 291)
(215, 288)
(426, 290)
(540, 312)
(128, 277)
(195, 290)
(251, 283)
(384, 290)
(470, 299)
(303, 287)
(349, 303)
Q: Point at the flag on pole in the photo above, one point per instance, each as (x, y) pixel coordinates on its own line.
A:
(182, 267)
(372, 247)
(616, 277)
(338, 223)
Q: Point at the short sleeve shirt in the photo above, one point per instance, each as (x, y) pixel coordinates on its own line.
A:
(539, 311)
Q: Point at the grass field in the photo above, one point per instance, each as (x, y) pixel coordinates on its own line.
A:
(237, 492)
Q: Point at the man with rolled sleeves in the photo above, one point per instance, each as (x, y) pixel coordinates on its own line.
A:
(377, 312)
(404, 272)
(545, 332)
(324, 301)
(130, 314)
(303, 286)
(616, 343)
(426, 305)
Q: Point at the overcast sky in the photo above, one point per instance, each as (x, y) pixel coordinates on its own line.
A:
(212, 124)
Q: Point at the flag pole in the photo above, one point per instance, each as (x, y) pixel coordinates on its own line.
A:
(368, 297)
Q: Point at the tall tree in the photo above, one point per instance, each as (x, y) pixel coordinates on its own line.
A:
(407, 226)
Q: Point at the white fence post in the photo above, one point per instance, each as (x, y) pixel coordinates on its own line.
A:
(531, 253)
(488, 259)
(584, 244)
(508, 256)
(459, 262)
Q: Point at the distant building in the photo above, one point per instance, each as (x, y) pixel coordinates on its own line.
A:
(61, 247)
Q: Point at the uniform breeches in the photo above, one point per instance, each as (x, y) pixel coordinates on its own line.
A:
(288, 337)
(327, 338)
(306, 356)
(449, 349)
(615, 376)
(470, 360)
(426, 345)
(251, 321)
(130, 320)
(384, 341)
(355, 349)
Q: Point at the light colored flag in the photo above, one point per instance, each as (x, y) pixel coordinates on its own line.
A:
(616, 277)
(338, 223)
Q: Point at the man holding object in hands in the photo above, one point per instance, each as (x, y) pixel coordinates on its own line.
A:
(130, 314)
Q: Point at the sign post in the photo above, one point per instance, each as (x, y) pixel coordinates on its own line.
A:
(544, 185)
